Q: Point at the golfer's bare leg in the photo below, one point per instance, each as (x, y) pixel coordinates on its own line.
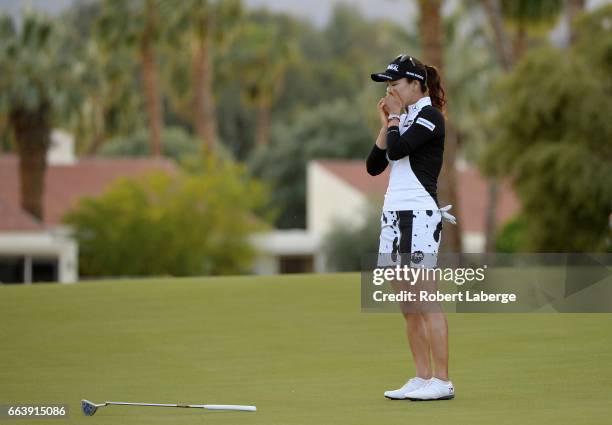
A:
(416, 331)
(437, 330)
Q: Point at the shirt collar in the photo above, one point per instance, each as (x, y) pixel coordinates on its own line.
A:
(415, 108)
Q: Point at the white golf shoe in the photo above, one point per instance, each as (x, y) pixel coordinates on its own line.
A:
(434, 389)
(411, 385)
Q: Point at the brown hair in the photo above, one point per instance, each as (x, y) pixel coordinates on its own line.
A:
(434, 85)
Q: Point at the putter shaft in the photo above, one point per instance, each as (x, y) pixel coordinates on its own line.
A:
(89, 408)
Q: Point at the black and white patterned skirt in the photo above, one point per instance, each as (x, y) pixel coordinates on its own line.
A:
(413, 234)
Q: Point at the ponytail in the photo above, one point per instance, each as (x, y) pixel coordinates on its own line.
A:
(434, 85)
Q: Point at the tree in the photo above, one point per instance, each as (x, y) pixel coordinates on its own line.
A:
(345, 245)
(525, 16)
(179, 225)
(206, 27)
(203, 105)
(574, 9)
(553, 138)
(502, 48)
(336, 62)
(263, 58)
(333, 130)
(432, 34)
(509, 239)
(36, 84)
(110, 105)
(326, 68)
(177, 144)
(136, 25)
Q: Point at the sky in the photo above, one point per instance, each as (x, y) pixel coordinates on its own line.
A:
(318, 11)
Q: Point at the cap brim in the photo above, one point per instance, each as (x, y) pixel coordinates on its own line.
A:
(384, 76)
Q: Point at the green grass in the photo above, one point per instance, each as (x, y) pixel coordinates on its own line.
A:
(298, 347)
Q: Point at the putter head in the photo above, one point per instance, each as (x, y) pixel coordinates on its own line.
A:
(89, 408)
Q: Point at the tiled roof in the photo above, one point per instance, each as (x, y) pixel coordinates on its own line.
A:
(66, 184)
(472, 191)
(15, 219)
(354, 173)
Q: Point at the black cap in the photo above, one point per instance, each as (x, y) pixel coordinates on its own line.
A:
(404, 66)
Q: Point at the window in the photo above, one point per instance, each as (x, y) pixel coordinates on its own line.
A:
(296, 264)
(28, 269)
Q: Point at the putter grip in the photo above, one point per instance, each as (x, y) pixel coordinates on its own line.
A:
(230, 407)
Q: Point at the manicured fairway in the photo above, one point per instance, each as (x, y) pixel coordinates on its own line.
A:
(296, 346)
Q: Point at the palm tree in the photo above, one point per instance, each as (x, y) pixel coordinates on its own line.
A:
(574, 8)
(136, 25)
(35, 85)
(203, 104)
(264, 55)
(432, 38)
(110, 106)
(494, 16)
(525, 14)
(528, 16)
(205, 27)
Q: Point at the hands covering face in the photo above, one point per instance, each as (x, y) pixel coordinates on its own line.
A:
(393, 102)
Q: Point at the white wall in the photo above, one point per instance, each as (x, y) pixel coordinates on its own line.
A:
(61, 150)
(277, 243)
(328, 198)
(473, 242)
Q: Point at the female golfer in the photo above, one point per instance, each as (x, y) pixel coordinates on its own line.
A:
(411, 222)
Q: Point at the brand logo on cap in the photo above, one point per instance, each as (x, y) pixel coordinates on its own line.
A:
(394, 67)
(412, 74)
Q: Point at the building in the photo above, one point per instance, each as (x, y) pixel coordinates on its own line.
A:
(342, 190)
(34, 250)
(41, 251)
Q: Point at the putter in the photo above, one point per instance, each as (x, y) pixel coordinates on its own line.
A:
(90, 408)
